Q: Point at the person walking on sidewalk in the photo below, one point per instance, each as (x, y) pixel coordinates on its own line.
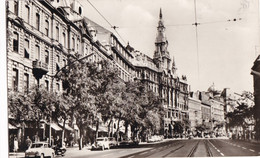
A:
(28, 142)
(15, 145)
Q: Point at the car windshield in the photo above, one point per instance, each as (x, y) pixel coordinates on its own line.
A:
(36, 145)
(100, 139)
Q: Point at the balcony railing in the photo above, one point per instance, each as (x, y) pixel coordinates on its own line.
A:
(40, 65)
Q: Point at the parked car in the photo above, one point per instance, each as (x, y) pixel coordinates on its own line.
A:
(155, 138)
(101, 143)
(112, 142)
(126, 142)
(40, 149)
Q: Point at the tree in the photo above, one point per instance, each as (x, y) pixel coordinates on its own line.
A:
(92, 91)
(30, 108)
(144, 109)
(243, 113)
(79, 78)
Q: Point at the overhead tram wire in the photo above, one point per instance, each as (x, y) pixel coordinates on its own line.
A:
(113, 27)
(197, 41)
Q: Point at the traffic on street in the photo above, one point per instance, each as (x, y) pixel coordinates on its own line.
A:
(169, 148)
(176, 148)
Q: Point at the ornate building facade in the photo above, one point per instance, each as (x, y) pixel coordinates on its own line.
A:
(159, 74)
(41, 35)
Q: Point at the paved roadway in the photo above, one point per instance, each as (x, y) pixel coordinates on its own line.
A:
(176, 148)
(173, 148)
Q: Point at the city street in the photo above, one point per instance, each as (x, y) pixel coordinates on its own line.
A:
(177, 148)
(172, 148)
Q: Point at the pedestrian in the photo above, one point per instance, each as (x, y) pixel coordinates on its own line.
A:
(15, 145)
(36, 138)
(58, 142)
(28, 142)
(52, 141)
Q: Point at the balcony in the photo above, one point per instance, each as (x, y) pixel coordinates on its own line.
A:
(39, 69)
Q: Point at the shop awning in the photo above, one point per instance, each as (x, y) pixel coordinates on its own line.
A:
(67, 127)
(100, 128)
(11, 126)
(55, 127)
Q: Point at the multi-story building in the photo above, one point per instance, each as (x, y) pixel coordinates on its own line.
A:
(41, 34)
(195, 110)
(160, 77)
(256, 76)
(205, 109)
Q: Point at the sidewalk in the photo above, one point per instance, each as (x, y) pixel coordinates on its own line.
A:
(16, 155)
(69, 150)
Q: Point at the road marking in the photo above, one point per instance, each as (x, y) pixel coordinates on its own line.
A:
(238, 146)
(153, 150)
(222, 154)
(244, 148)
(131, 156)
(252, 150)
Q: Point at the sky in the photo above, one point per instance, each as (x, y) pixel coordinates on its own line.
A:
(226, 49)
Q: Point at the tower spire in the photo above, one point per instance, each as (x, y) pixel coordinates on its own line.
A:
(160, 16)
(161, 54)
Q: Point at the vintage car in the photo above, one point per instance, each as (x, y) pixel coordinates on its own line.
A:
(112, 142)
(101, 143)
(40, 149)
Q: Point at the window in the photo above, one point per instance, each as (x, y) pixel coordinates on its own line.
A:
(86, 50)
(16, 8)
(27, 14)
(16, 42)
(80, 10)
(58, 58)
(64, 39)
(26, 48)
(47, 85)
(57, 33)
(46, 27)
(73, 43)
(15, 80)
(77, 44)
(47, 57)
(37, 52)
(64, 63)
(58, 86)
(37, 21)
(26, 83)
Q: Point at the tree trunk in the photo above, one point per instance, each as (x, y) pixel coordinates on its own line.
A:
(80, 140)
(126, 129)
(108, 127)
(117, 130)
(97, 126)
(63, 132)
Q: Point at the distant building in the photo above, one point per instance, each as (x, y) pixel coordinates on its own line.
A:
(256, 78)
(159, 74)
(206, 109)
(195, 115)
